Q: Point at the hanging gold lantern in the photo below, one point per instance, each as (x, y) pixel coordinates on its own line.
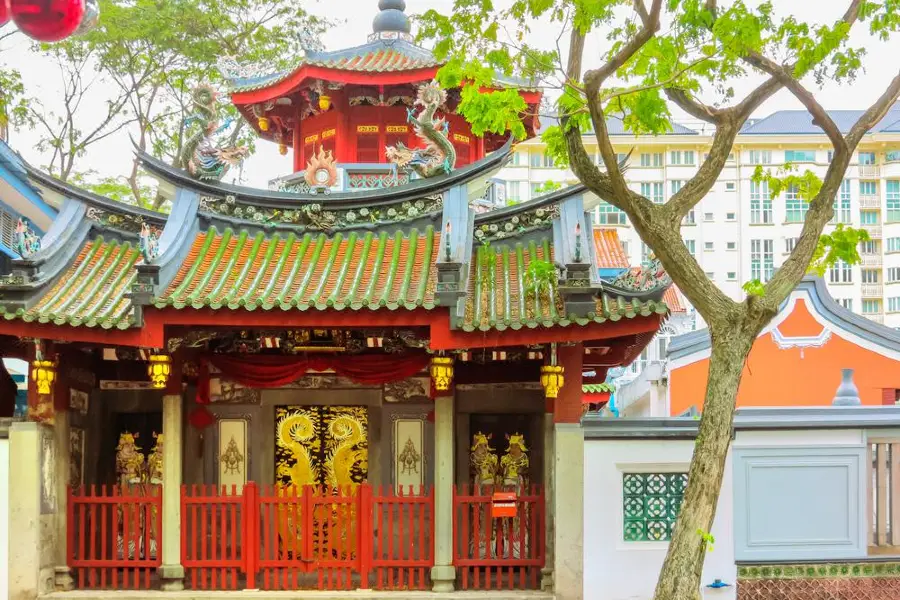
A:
(282, 149)
(324, 102)
(442, 372)
(159, 369)
(43, 373)
(263, 123)
(552, 379)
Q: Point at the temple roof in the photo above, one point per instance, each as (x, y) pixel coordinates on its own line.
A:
(417, 252)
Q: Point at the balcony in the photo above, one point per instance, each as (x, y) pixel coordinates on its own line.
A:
(871, 260)
(869, 201)
(872, 290)
(874, 231)
(869, 171)
(877, 317)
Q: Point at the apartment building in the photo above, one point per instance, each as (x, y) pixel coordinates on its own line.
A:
(739, 232)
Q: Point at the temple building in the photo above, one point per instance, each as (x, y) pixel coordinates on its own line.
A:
(350, 382)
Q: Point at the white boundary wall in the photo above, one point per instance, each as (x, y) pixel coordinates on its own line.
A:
(619, 570)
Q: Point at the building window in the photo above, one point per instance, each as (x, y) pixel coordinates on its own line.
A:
(731, 245)
(730, 217)
(795, 156)
(760, 203)
(869, 247)
(867, 158)
(870, 276)
(892, 156)
(732, 276)
(840, 272)
(514, 190)
(653, 191)
(689, 218)
(536, 159)
(708, 246)
(795, 206)
(762, 260)
(710, 275)
(708, 217)
(868, 188)
(871, 307)
(691, 246)
(607, 214)
(676, 185)
(624, 244)
(790, 244)
(760, 157)
(729, 186)
(652, 160)
(868, 217)
(894, 304)
(847, 303)
(842, 204)
(893, 244)
(516, 159)
(681, 157)
(892, 195)
(893, 274)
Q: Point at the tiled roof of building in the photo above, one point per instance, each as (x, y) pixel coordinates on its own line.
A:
(91, 292)
(498, 296)
(379, 56)
(610, 254)
(799, 122)
(236, 270)
(672, 298)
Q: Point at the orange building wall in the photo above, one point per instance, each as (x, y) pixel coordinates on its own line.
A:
(776, 377)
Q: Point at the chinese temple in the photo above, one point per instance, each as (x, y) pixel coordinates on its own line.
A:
(352, 381)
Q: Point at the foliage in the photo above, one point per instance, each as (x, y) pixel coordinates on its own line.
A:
(708, 539)
(547, 187)
(13, 103)
(540, 276)
(115, 188)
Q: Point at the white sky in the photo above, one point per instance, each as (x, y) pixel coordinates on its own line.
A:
(113, 156)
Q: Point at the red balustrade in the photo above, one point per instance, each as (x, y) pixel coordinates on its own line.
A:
(403, 552)
(113, 535)
(497, 553)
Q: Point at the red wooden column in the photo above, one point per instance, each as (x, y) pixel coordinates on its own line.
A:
(298, 143)
(567, 406)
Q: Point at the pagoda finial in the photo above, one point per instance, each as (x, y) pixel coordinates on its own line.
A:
(391, 22)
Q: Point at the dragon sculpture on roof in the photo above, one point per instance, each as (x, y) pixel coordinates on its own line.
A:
(204, 158)
(438, 156)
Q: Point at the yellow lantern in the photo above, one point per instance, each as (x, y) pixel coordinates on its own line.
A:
(43, 373)
(552, 379)
(263, 123)
(442, 372)
(324, 102)
(282, 149)
(159, 369)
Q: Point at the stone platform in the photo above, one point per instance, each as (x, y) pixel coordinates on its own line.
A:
(298, 595)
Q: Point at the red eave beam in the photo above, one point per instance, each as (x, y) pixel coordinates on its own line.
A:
(91, 335)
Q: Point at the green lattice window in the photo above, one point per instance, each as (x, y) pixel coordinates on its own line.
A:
(652, 502)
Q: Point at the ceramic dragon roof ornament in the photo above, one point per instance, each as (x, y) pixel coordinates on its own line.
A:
(204, 158)
(438, 156)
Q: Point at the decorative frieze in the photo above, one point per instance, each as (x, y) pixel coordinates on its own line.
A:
(316, 217)
(538, 218)
(122, 221)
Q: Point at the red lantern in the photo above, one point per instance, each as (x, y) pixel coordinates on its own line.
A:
(47, 20)
(4, 12)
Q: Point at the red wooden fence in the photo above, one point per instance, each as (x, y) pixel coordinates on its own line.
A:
(498, 553)
(114, 535)
(403, 552)
(213, 536)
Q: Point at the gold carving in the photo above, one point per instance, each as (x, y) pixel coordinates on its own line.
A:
(328, 133)
(458, 137)
(367, 129)
(482, 461)
(129, 460)
(409, 458)
(232, 459)
(311, 138)
(397, 129)
(514, 464)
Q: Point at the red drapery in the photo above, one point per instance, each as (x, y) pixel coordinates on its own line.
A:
(264, 371)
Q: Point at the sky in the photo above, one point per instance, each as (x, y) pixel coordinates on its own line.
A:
(114, 155)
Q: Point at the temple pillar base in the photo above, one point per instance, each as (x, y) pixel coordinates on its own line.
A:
(63, 579)
(443, 578)
(547, 579)
(171, 578)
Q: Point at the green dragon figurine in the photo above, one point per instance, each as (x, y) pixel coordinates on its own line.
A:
(206, 160)
(438, 156)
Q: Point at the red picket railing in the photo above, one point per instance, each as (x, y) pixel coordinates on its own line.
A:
(289, 538)
(498, 553)
(212, 536)
(404, 538)
(114, 535)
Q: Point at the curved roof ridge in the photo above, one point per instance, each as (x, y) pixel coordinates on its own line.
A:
(91, 199)
(289, 200)
(553, 197)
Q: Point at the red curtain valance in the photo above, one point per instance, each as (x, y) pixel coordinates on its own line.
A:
(265, 371)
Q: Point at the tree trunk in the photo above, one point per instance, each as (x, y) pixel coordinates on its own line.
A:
(680, 575)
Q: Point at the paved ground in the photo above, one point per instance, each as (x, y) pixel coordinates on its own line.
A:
(300, 595)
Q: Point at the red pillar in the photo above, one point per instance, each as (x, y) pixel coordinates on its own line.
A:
(298, 144)
(567, 407)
